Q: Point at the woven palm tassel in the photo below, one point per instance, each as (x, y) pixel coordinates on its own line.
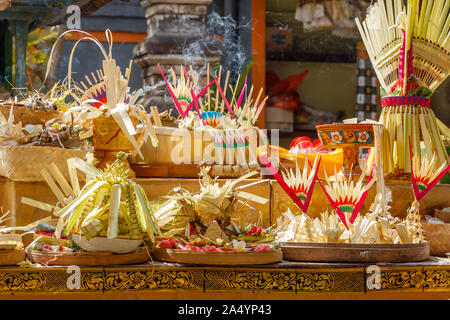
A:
(136, 232)
(400, 123)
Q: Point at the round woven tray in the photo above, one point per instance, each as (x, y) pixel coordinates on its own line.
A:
(227, 258)
(88, 258)
(341, 252)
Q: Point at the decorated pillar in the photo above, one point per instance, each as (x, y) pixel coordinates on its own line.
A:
(366, 85)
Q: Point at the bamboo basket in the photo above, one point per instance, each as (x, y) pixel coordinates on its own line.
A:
(177, 146)
(439, 237)
(442, 215)
(27, 115)
(24, 163)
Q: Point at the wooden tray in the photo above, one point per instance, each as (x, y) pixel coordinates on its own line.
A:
(11, 257)
(218, 258)
(341, 252)
(87, 258)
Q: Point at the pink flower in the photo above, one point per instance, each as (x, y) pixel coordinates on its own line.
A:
(262, 248)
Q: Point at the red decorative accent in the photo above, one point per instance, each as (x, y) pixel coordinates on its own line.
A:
(405, 100)
(303, 206)
(175, 100)
(358, 205)
(115, 135)
(417, 193)
(101, 102)
(238, 102)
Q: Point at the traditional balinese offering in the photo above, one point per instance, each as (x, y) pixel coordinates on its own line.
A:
(216, 126)
(343, 235)
(105, 105)
(33, 134)
(35, 107)
(298, 185)
(105, 222)
(409, 46)
(425, 174)
(202, 228)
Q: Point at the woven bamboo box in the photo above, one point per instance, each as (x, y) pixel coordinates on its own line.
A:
(176, 146)
(24, 163)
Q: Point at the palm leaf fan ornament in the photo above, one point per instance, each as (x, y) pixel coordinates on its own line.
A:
(181, 91)
(425, 174)
(298, 185)
(409, 46)
(243, 108)
(345, 196)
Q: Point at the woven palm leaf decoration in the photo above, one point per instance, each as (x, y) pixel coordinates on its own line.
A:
(298, 185)
(347, 197)
(425, 174)
(109, 205)
(182, 90)
(408, 43)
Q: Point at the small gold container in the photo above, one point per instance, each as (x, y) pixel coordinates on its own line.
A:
(109, 138)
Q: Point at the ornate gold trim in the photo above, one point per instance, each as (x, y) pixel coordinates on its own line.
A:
(249, 279)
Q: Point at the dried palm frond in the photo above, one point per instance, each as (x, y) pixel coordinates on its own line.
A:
(424, 27)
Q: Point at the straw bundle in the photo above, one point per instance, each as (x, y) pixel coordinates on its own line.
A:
(409, 46)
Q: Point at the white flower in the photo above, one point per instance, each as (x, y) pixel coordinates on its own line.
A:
(238, 245)
(336, 137)
(363, 136)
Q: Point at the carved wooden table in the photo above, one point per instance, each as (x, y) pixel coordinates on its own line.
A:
(286, 280)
